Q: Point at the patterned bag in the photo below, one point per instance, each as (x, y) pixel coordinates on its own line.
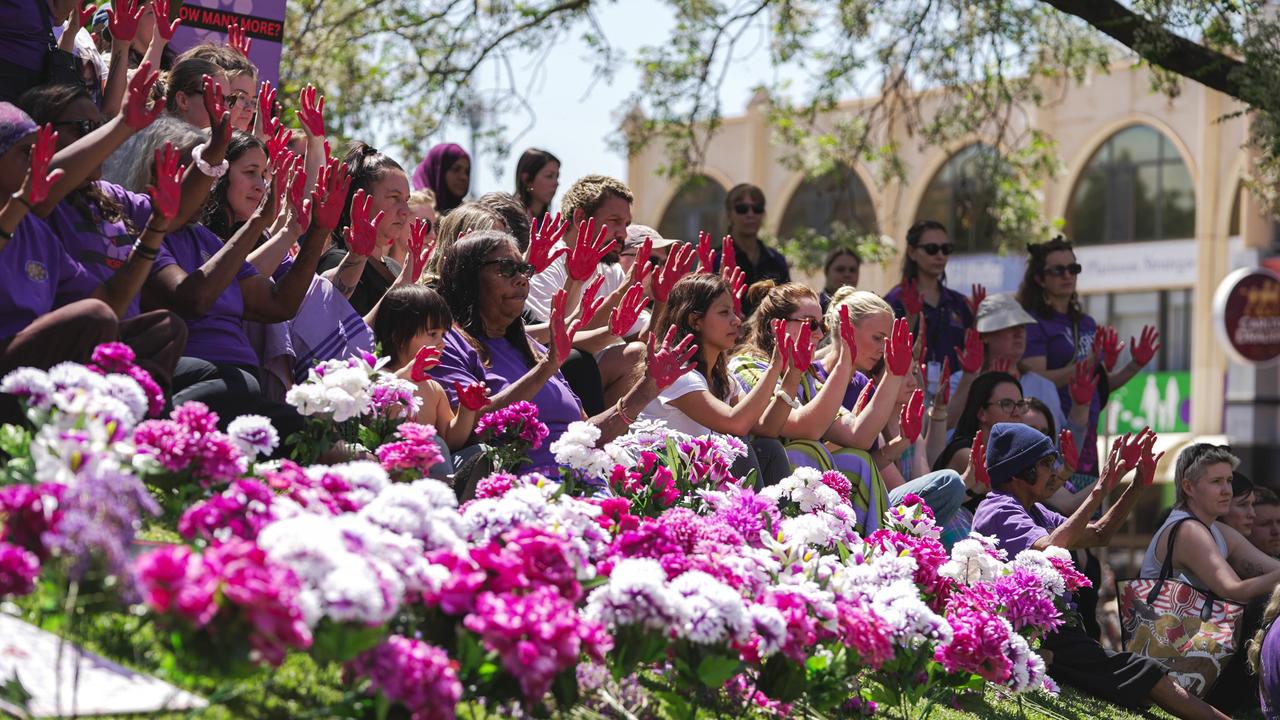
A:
(1189, 631)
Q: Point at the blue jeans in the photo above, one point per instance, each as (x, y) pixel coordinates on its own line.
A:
(942, 491)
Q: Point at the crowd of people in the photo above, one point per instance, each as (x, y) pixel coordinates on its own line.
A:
(161, 200)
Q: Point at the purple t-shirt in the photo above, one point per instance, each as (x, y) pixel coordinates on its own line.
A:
(217, 336)
(1055, 339)
(459, 362)
(945, 323)
(103, 246)
(24, 32)
(1015, 527)
(36, 276)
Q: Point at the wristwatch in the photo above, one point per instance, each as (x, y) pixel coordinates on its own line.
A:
(212, 171)
(794, 403)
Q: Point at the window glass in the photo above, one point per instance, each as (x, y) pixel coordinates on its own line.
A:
(698, 205)
(960, 196)
(836, 196)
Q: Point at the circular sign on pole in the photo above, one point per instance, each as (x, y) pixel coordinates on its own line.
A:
(1246, 314)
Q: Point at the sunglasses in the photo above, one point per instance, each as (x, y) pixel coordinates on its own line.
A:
(935, 248)
(744, 208)
(509, 268)
(813, 323)
(84, 127)
(234, 100)
(1011, 406)
(1062, 270)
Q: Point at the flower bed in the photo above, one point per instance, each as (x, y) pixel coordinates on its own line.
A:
(644, 580)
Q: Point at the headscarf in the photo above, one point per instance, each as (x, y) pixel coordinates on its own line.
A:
(14, 125)
(431, 171)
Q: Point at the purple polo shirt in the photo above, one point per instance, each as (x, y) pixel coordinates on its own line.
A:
(217, 336)
(102, 246)
(459, 362)
(36, 276)
(24, 32)
(945, 323)
(1015, 527)
(1055, 339)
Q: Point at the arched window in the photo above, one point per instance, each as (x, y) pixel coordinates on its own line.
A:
(835, 196)
(697, 205)
(1134, 188)
(961, 195)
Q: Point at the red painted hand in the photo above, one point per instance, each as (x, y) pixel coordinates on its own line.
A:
(911, 418)
(542, 237)
(971, 356)
(267, 108)
(978, 293)
(164, 27)
(943, 396)
(590, 304)
(166, 193)
(897, 349)
(472, 396)
(801, 349)
(669, 361)
(1131, 449)
(419, 248)
(864, 397)
(1070, 453)
(728, 257)
(587, 254)
(1083, 384)
(1004, 365)
(641, 269)
(311, 111)
(678, 264)
(911, 300)
(238, 39)
(298, 197)
(561, 337)
(40, 181)
(428, 357)
(737, 280)
(624, 316)
(781, 343)
(1145, 348)
(978, 461)
(329, 195)
(216, 106)
(136, 112)
(1107, 345)
(85, 16)
(122, 20)
(848, 333)
(362, 234)
(706, 256)
(279, 143)
(1148, 462)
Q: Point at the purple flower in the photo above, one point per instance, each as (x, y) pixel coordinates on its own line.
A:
(1025, 603)
(266, 594)
(101, 515)
(189, 441)
(28, 512)
(113, 357)
(419, 677)
(416, 450)
(18, 570)
(978, 638)
(241, 510)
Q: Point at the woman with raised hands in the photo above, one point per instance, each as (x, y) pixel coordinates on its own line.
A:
(52, 309)
(485, 280)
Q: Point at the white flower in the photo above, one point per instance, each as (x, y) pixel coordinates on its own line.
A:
(908, 617)
(424, 510)
(344, 405)
(366, 477)
(576, 448)
(770, 627)
(636, 594)
(66, 375)
(127, 391)
(1028, 669)
(713, 611)
(254, 435)
(1036, 563)
(30, 383)
(308, 398)
(970, 563)
(807, 529)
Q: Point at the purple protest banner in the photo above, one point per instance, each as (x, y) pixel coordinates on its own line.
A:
(263, 21)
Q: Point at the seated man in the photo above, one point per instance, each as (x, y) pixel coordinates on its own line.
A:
(1020, 463)
(1265, 534)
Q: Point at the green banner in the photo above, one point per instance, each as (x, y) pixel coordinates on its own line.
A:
(1159, 400)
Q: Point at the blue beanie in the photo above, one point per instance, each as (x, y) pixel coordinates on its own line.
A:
(1014, 448)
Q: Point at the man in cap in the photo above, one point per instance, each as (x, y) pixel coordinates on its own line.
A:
(1021, 465)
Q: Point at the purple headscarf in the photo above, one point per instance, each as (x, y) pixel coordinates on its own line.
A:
(14, 125)
(430, 174)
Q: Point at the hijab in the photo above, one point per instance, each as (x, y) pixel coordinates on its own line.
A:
(431, 171)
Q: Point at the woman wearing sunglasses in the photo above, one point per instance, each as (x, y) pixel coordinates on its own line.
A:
(945, 312)
(745, 207)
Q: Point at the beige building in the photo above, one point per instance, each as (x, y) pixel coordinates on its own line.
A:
(1149, 190)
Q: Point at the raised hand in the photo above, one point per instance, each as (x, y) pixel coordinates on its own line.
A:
(781, 342)
(897, 349)
(329, 195)
(298, 201)
(268, 121)
(728, 258)
(641, 269)
(911, 300)
(85, 16)
(561, 336)
(624, 316)
(362, 234)
(279, 143)
(164, 27)
(668, 362)
(977, 294)
(542, 237)
(238, 39)
(1004, 365)
(911, 420)
(864, 397)
(428, 357)
(706, 256)
(216, 106)
(978, 461)
(801, 349)
(122, 19)
(473, 396)
(1132, 448)
(1107, 345)
(136, 112)
(1070, 453)
(1145, 348)
(678, 264)
(737, 280)
(1147, 463)
(166, 193)
(1083, 384)
(39, 180)
(419, 249)
(584, 258)
(943, 396)
(971, 356)
(311, 111)
(922, 338)
(848, 333)
(590, 304)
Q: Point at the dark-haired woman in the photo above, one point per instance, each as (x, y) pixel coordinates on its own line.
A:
(537, 179)
(744, 205)
(946, 312)
(485, 279)
(364, 279)
(325, 326)
(840, 269)
(1063, 336)
(446, 171)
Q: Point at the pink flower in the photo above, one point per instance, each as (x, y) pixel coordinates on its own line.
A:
(863, 631)
(410, 673)
(979, 636)
(18, 570)
(1073, 578)
(1025, 603)
(241, 510)
(417, 449)
(113, 357)
(173, 579)
(495, 485)
(837, 481)
(267, 596)
(28, 513)
(515, 421)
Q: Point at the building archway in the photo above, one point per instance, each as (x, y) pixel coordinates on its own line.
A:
(960, 195)
(697, 205)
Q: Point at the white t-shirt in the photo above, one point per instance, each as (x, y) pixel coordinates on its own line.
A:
(543, 286)
(660, 408)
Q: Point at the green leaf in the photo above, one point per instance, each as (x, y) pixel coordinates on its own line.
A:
(781, 679)
(715, 670)
(565, 689)
(15, 694)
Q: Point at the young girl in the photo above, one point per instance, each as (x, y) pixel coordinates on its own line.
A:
(411, 318)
